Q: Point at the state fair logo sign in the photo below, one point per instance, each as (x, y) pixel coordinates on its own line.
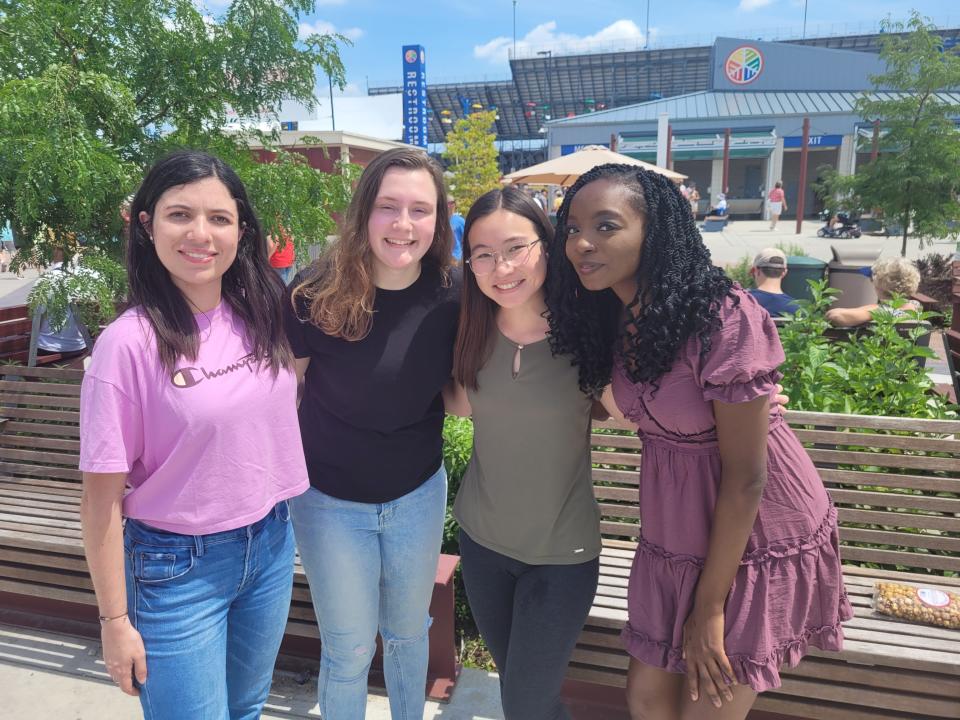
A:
(744, 65)
(411, 56)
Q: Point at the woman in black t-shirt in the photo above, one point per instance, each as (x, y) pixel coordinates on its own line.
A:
(372, 326)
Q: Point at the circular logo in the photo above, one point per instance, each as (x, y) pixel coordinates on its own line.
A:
(411, 56)
(744, 65)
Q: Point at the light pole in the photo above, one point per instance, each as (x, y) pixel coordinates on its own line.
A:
(804, 19)
(646, 35)
(514, 29)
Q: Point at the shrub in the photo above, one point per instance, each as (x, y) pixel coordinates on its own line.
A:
(873, 373)
(740, 272)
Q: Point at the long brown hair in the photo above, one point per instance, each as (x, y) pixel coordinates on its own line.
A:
(478, 313)
(248, 286)
(339, 289)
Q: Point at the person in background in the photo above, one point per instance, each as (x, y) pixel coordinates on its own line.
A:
(456, 224)
(777, 203)
(768, 271)
(693, 195)
(892, 276)
(720, 209)
(282, 254)
(68, 340)
(558, 200)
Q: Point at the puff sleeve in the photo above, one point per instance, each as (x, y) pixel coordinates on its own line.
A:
(744, 356)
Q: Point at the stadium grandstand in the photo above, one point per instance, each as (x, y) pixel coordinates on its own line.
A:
(555, 83)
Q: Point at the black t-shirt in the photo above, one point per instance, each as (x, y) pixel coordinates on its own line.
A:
(372, 415)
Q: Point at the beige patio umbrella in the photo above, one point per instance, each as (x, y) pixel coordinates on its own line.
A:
(566, 169)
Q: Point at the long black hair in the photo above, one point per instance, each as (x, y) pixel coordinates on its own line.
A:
(679, 296)
(249, 286)
(477, 311)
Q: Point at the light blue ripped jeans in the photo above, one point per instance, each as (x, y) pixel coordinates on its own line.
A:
(372, 566)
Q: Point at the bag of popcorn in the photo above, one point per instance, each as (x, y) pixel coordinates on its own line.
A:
(918, 604)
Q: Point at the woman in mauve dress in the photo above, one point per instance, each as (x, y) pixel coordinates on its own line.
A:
(737, 570)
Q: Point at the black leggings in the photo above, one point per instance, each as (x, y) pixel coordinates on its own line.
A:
(530, 617)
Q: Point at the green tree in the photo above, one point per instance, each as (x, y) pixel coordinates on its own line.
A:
(473, 158)
(93, 91)
(915, 181)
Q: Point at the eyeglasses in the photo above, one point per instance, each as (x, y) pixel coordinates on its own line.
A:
(485, 263)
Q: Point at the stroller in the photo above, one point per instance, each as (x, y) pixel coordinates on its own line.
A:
(844, 225)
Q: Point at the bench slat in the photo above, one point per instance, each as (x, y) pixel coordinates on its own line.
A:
(32, 429)
(872, 422)
(878, 440)
(38, 387)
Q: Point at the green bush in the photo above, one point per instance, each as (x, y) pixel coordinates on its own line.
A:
(740, 272)
(873, 373)
(457, 448)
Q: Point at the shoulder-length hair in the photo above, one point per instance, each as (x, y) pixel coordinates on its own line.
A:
(249, 286)
(339, 291)
(477, 311)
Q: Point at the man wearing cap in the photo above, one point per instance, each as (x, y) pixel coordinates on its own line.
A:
(769, 269)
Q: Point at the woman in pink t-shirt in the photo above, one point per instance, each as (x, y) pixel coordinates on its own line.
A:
(189, 448)
(777, 203)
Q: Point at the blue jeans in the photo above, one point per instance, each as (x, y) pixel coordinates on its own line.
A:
(286, 274)
(211, 610)
(372, 566)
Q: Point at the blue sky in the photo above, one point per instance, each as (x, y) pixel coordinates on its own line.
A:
(468, 39)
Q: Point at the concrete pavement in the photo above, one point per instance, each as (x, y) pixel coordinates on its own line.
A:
(52, 676)
(747, 237)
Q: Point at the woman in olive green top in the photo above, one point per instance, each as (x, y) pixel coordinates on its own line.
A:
(530, 535)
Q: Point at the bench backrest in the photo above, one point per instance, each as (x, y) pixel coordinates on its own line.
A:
(895, 481)
(40, 434)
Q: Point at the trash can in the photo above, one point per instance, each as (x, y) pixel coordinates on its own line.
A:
(800, 269)
(846, 274)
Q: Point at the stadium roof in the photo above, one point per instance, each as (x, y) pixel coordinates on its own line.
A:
(709, 104)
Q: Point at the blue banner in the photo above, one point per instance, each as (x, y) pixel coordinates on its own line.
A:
(795, 141)
(414, 95)
(570, 149)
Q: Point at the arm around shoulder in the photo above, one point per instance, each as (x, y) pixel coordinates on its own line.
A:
(455, 399)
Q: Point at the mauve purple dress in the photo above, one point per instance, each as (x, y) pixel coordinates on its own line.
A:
(788, 592)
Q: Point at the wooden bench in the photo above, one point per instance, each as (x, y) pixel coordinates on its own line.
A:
(43, 575)
(896, 482)
(18, 339)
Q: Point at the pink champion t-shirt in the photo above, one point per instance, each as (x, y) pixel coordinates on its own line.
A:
(212, 446)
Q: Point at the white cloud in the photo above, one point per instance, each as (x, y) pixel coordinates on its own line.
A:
(322, 27)
(622, 33)
(748, 5)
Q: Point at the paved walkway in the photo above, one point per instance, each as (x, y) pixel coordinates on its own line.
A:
(747, 237)
(14, 290)
(51, 676)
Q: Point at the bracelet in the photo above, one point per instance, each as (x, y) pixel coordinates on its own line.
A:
(105, 619)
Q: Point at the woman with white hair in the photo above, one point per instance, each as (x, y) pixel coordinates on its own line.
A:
(892, 276)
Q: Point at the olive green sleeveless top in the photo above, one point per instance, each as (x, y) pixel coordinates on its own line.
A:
(527, 492)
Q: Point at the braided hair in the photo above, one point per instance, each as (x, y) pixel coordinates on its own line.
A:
(679, 296)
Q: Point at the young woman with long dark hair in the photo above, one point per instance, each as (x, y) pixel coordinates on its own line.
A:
(372, 326)
(188, 430)
(738, 569)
